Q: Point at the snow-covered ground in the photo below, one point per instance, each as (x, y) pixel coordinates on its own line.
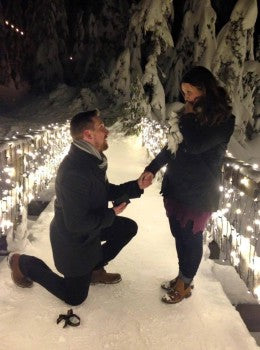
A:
(130, 315)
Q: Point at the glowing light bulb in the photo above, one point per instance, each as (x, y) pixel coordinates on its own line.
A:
(245, 181)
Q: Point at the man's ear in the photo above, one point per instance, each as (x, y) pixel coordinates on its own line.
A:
(87, 135)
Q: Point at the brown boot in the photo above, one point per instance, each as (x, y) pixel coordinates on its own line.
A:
(169, 285)
(16, 274)
(101, 276)
(177, 294)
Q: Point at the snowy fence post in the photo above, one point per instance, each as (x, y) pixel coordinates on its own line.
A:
(27, 164)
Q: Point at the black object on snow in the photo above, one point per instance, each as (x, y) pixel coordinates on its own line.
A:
(70, 319)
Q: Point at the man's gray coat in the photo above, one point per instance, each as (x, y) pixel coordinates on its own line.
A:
(81, 212)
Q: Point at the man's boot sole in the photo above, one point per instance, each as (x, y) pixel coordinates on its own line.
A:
(21, 285)
(175, 302)
(171, 288)
(115, 282)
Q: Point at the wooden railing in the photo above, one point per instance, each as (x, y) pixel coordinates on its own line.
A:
(27, 164)
(236, 225)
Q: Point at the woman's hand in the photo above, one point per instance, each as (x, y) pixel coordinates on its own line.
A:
(145, 179)
(188, 107)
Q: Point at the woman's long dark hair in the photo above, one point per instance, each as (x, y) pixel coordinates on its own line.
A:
(214, 106)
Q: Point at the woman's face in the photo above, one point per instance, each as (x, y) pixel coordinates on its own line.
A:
(190, 92)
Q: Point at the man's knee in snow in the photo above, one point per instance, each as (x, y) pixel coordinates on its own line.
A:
(75, 300)
(133, 228)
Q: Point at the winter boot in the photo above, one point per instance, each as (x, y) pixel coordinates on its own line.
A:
(16, 274)
(101, 276)
(169, 285)
(180, 291)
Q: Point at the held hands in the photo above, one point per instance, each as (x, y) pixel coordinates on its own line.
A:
(145, 179)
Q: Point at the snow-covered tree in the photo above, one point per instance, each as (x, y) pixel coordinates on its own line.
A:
(147, 38)
(195, 46)
(46, 34)
(132, 55)
(14, 40)
(233, 61)
(100, 31)
(5, 69)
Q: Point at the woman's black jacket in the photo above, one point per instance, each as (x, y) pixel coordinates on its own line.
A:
(81, 212)
(193, 175)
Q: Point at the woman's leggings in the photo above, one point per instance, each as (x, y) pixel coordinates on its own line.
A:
(189, 247)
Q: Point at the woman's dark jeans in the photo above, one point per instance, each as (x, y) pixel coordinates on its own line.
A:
(189, 247)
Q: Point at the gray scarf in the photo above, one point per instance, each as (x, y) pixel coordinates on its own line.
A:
(87, 147)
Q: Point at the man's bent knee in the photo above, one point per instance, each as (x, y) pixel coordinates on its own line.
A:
(133, 227)
(75, 300)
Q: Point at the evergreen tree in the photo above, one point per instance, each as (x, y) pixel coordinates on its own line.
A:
(46, 36)
(15, 40)
(5, 69)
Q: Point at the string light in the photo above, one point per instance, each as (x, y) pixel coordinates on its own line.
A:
(245, 181)
(14, 28)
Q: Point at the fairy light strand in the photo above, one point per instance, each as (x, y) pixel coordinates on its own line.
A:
(28, 163)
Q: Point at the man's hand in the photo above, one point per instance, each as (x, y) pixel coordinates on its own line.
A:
(121, 207)
(145, 179)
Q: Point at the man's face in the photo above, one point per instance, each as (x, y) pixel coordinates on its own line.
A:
(97, 136)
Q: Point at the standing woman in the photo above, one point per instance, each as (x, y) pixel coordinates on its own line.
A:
(190, 185)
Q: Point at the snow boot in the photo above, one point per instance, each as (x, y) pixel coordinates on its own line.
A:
(101, 276)
(180, 291)
(19, 279)
(169, 285)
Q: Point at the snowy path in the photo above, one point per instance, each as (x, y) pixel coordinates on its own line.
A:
(130, 315)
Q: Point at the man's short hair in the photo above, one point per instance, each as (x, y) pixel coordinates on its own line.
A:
(81, 122)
